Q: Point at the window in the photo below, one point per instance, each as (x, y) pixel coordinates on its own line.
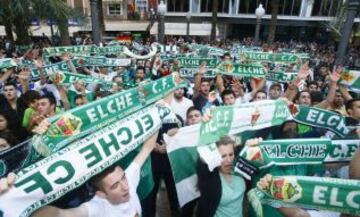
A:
(326, 7)
(223, 6)
(114, 9)
(248, 6)
(178, 5)
(206, 6)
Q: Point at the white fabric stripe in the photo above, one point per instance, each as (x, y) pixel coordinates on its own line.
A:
(187, 190)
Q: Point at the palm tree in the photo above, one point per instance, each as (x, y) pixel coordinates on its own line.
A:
(275, 4)
(21, 14)
(57, 10)
(215, 4)
(6, 18)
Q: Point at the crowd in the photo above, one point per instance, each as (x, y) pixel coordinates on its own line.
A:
(27, 103)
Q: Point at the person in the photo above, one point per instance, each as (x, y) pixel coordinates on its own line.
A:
(221, 191)
(14, 107)
(193, 116)
(228, 97)
(31, 98)
(7, 140)
(115, 191)
(46, 108)
(275, 91)
(180, 104)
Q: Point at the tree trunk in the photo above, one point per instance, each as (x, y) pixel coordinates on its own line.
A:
(274, 12)
(6, 17)
(63, 26)
(22, 30)
(8, 30)
(101, 16)
(214, 19)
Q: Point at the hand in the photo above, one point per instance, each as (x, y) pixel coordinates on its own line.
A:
(161, 148)
(172, 132)
(42, 127)
(336, 74)
(65, 57)
(264, 182)
(212, 96)
(203, 68)
(253, 142)
(207, 116)
(6, 183)
(39, 63)
(304, 71)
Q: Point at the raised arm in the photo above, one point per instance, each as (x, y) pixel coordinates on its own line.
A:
(147, 148)
(198, 78)
(334, 77)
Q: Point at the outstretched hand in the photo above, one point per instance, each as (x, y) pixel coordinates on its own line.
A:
(7, 183)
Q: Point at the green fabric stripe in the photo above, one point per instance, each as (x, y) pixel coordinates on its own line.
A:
(183, 163)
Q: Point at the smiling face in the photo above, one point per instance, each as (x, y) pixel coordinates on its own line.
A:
(114, 187)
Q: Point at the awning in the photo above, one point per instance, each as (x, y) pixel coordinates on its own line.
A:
(39, 30)
(198, 29)
(126, 26)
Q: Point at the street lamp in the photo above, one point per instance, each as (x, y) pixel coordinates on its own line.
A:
(188, 18)
(352, 8)
(162, 11)
(95, 25)
(259, 12)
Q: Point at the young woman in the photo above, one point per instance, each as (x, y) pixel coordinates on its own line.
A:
(221, 190)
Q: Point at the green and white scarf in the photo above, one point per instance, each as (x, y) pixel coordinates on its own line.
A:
(320, 118)
(6, 63)
(299, 152)
(182, 147)
(271, 57)
(75, 123)
(50, 69)
(80, 61)
(331, 194)
(58, 174)
(75, 50)
(243, 70)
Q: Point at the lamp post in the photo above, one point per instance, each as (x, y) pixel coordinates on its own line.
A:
(352, 8)
(259, 12)
(188, 18)
(95, 25)
(162, 11)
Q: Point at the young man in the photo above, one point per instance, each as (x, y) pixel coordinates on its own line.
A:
(115, 191)
(46, 108)
(180, 104)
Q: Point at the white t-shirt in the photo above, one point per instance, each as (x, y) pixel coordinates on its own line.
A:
(99, 207)
(180, 108)
(314, 213)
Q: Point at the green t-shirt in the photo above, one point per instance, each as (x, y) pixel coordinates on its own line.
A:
(231, 202)
(27, 115)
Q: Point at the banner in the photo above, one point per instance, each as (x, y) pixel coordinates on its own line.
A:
(351, 79)
(318, 193)
(66, 78)
(320, 118)
(299, 152)
(54, 176)
(243, 70)
(182, 147)
(196, 62)
(75, 123)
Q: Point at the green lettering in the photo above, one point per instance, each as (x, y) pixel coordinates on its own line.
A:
(148, 121)
(107, 145)
(39, 182)
(128, 134)
(93, 152)
(67, 166)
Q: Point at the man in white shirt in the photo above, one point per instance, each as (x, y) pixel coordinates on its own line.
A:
(181, 104)
(115, 191)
